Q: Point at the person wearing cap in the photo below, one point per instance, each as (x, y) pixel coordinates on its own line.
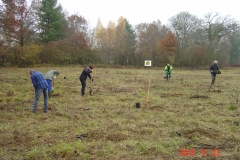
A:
(168, 71)
(50, 76)
(41, 86)
(214, 69)
(83, 77)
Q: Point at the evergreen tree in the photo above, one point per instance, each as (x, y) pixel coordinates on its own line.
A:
(52, 21)
(131, 43)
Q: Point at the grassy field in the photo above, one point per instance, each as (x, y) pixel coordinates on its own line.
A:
(182, 115)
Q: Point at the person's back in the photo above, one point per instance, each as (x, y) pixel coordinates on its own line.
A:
(39, 80)
(85, 73)
(41, 86)
(50, 74)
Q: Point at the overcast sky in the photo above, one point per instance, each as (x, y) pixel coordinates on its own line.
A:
(141, 11)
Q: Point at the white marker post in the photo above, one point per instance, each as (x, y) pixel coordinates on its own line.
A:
(148, 63)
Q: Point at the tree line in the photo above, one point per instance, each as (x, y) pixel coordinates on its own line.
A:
(42, 33)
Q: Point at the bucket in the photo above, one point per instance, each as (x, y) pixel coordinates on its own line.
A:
(138, 105)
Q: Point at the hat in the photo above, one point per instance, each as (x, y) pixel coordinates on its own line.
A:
(91, 67)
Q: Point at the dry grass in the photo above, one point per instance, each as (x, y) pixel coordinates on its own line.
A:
(114, 127)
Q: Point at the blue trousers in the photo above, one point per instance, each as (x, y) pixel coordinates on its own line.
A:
(37, 96)
(49, 85)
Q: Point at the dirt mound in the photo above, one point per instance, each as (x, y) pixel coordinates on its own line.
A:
(198, 132)
(95, 134)
(116, 137)
(10, 93)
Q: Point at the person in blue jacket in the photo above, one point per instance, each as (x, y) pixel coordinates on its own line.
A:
(41, 86)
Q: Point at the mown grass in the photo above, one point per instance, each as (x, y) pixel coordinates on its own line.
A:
(115, 128)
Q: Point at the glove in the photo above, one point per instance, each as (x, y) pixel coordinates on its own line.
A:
(54, 77)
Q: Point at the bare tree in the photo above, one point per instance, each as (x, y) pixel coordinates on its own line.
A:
(148, 38)
(186, 27)
(217, 28)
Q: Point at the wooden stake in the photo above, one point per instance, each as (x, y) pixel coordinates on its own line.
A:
(149, 82)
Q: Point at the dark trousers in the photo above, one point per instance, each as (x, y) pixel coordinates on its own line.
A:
(83, 82)
(213, 77)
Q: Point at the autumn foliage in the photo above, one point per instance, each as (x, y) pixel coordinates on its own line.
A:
(167, 48)
(41, 32)
(169, 43)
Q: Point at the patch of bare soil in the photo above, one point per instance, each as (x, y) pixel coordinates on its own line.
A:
(151, 125)
(116, 137)
(101, 135)
(219, 142)
(215, 91)
(2, 106)
(200, 132)
(121, 89)
(13, 106)
(56, 95)
(199, 96)
(21, 103)
(213, 146)
(75, 91)
(95, 134)
(10, 93)
(156, 108)
(22, 137)
(172, 95)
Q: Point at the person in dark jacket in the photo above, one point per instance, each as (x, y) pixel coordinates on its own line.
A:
(83, 77)
(214, 69)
